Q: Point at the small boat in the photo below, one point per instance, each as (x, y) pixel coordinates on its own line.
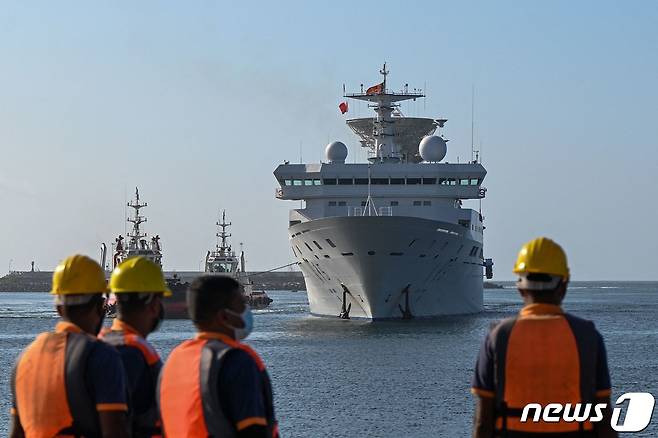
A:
(223, 260)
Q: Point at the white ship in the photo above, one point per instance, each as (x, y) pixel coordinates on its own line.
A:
(388, 238)
(223, 260)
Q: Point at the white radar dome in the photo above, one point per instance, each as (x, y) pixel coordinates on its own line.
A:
(336, 152)
(432, 148)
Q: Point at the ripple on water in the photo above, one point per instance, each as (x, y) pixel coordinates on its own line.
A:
(393, 378)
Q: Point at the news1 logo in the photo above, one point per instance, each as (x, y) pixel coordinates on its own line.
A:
(638, 412)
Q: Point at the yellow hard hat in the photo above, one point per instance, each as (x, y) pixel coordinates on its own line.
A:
(78, 274)
(542, 256)
(138, 275)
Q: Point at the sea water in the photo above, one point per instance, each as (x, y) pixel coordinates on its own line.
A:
(338, 378)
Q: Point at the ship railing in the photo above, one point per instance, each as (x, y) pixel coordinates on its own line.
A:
(363, 211)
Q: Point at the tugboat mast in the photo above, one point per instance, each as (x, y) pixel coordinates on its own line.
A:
(222, 242)
(136, 220)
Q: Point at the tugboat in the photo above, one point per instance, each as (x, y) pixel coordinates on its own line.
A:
(137, 244)
(223, 260)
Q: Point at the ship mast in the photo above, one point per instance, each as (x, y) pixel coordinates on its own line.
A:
(384, 103)
(136, 235)
(222, 236)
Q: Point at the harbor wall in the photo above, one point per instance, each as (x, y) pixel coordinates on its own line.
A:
(40, 281)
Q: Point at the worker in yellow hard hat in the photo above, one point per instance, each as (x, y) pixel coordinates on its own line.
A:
(139, 287)
(66, 382)
(543, 355)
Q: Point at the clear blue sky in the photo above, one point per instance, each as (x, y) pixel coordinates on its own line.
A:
(197, 102)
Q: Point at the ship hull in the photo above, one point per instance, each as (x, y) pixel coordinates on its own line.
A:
(392, 267)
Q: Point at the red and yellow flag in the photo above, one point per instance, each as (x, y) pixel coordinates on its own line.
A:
(376, 89)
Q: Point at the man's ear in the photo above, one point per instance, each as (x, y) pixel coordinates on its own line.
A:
(562, 290)
(154, 305)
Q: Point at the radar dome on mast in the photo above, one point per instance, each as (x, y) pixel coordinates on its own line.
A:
(432, 148)
(336, 152)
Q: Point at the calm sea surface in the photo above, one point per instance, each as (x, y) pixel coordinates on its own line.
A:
(384, 379)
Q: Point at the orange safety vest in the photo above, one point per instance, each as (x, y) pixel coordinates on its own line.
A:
(547, 357)
(189, 403)
(120, 335)
(49, 385)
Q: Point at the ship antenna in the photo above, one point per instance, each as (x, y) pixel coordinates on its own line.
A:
(384, 73)
(370, 206)
(472, 121)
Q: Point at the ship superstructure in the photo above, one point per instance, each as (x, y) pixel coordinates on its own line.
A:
(136, 242)
(388, 238)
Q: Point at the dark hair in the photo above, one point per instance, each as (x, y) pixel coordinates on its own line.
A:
(131, 303)
(543, 278)
(208, 294)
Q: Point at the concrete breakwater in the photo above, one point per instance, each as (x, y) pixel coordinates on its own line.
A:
(39, 281)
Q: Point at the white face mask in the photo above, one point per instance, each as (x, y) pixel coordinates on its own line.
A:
(247, 319)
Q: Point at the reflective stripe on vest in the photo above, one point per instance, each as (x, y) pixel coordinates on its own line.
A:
(51, 395)
(147, 423)
(524, 349)
(188, 398)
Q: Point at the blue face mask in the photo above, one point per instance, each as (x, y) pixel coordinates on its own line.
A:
(247, 319)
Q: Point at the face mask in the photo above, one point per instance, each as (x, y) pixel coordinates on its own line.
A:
(248, 320)
(158, 322)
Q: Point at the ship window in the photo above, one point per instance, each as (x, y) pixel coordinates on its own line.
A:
(331, 244)
(317, 244)
(429, 180)
(422, 256)
(297, 182)
(345, 181)
(329, 181)
(463, 182)
(326, 256)
(361, 181)
(291, 223)
(396, 253)
(417, 203)
(347, 253)
(315, 255)
(397, 180)
(475, 181)
(342, 203)
(317, 182)
(371, 252)
(308, 182)
(309, 248)
(287, 182)
(413, 180)
(447, 181)
(380, 181)
(332, 203)
(427, 203)
(394, 203)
